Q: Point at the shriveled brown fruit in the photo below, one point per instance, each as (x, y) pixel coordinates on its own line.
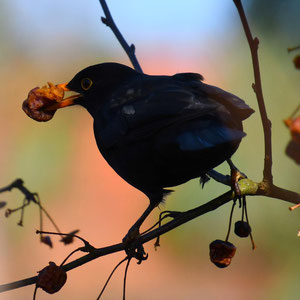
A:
(46, 240)
(296, 61)
(221, 253)
(68, 239)
(39, 99)
(52, 278)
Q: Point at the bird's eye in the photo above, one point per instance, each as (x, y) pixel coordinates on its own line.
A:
(86, 83)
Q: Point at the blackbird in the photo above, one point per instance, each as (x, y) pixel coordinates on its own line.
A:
(158, 131)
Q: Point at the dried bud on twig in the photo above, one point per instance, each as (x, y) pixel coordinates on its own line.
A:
(46, 240)
(68, 239)
(52, 278)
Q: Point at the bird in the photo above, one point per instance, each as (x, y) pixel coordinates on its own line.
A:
(157, 131)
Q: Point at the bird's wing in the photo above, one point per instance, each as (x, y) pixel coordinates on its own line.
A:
(234, 104)
(142, 117)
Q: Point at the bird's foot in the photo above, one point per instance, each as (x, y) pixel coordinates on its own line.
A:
(204, 179)
(133, 247)
(236, 175)
(163, 215)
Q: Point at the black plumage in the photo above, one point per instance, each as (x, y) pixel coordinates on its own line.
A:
(159, 131)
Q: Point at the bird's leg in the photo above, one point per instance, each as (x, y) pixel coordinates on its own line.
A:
(132, 246)
(236, 175)
(134, 231)
(224, 179)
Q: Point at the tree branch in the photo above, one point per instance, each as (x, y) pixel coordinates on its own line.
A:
(181, 219)
(257, 87)
(19, 184)
(247, 187)
(130, 50)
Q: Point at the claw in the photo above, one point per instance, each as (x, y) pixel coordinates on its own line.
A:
(133, 247)
(236, 175)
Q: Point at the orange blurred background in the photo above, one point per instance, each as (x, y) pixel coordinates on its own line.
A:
(51, 41)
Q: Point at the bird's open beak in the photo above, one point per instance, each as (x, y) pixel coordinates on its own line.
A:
(65, 101)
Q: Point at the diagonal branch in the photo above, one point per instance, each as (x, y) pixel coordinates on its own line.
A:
(257, 87)
(181, 219)
(130, 50)
(247, 187)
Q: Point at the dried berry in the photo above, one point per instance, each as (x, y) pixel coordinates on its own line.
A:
(68, 239)
(296, 61)
(242, 229)
(46, 240)
(52, 278)
(41, 98)
(221, 253)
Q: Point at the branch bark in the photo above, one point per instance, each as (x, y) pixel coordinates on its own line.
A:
(130, 50)
(257, 87)
(247, 187)
(182, 218)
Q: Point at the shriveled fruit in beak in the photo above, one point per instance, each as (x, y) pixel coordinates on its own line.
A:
(42, 103)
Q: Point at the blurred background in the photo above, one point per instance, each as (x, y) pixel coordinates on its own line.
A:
(51, 41)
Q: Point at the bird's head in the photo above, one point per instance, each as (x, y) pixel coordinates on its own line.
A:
(95, 84)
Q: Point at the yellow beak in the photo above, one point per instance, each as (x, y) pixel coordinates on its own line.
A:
(64, 102)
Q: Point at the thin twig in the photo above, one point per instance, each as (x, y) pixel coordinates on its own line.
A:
(230, 220)
(50, 218)
(64, 234)
(294, 207)
(294, 112)
(69, 255)
(130, 50)
(125, 277)
(257, 87)
(34, 293)
(29, 197)
(293, 48)
(109, 277)
(246, 213)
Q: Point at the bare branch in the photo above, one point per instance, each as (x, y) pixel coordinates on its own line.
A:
(130, 50)
(181, 219)
(246, 186)
(257, 87)
(290, 49)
